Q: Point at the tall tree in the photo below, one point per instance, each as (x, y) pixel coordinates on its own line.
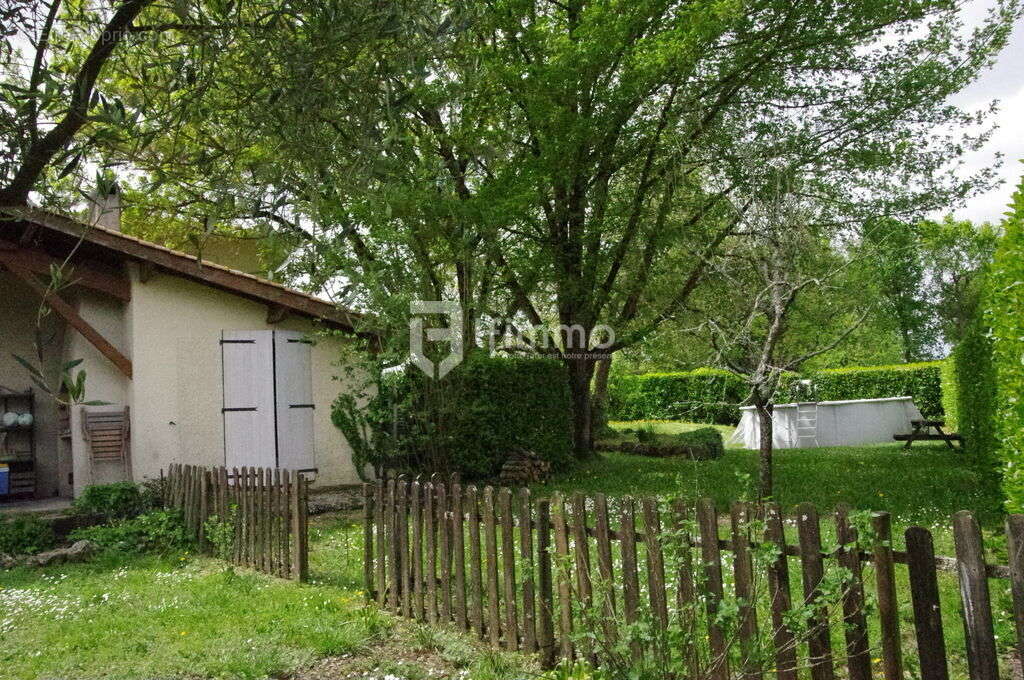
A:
(571, 163)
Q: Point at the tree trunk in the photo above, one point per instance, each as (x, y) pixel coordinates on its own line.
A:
(581, 371)
(765, 433)
(599, 403)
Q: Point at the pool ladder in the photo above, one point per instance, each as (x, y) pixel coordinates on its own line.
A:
(807, 424)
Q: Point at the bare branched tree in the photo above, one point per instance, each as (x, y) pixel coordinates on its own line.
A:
(791, 256)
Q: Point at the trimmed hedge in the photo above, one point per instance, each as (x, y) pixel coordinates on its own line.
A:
(1005, 318)
(470, 420)
(922, 381)
(704, 395)
(969, 391)
(709, 395)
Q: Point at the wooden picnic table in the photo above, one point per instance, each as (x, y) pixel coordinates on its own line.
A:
(921, 433)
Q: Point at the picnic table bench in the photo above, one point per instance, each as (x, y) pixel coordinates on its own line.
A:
(921, 433)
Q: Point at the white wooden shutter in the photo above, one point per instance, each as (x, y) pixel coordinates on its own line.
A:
(248, 364)
(295, 408)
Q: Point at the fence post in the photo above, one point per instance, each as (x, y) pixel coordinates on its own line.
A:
(885, 588)
(526, 555)
(819, 645)
(545, 623)
(430, 529)
(780, 595)
(444, 551)
(858, 658)
(300, 556)
(368, 541)
(563, 572)
(476, 579)
(707, 522)
(975, 604)
(605, 567)
(508, 565)
(686, 597)
(404, 564)
(491, 548)
(1015, 551)
(417, 551)
(924, 594)
(581, 545)
(459, 551)
(743, 573)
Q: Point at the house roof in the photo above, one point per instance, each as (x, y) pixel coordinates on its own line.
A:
(125, 247)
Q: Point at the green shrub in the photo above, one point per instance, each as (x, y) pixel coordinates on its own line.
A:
(158, 531)
(1005, 318)
(706, 438)
(969, 391)
(709, 395)
(704, 395)
(120, 500)
(922, 381)
(468, 421)
(25, 535)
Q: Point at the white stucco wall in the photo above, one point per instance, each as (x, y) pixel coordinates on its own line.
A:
(176, 393)
(104, 381)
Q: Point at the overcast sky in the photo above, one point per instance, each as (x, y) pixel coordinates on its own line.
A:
(1004, 82)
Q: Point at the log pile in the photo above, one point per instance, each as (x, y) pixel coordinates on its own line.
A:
(523, 467)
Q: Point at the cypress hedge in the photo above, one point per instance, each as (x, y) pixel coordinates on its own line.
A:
(709, 395)
(1005, 319)
(705, 395)
(922, 381)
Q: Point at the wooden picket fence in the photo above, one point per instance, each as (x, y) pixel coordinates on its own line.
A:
(520, 572)
(266, 512)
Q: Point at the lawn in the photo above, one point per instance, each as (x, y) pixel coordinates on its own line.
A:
(924, 485)
(131, 616)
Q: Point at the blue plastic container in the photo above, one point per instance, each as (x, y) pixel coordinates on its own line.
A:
(5, 480)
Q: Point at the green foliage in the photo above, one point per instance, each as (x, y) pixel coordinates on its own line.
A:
(120, 500)
(706, 438)
(705, 395)
(25, 535)
(709, 395)
(922, 381)
(160, 531)
(969, 390)
(468, 421)
(220, 532)
(1005, 317)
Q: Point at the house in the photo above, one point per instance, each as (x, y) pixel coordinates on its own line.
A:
(194, 362)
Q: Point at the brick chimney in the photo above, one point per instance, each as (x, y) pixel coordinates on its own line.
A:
(105, 210)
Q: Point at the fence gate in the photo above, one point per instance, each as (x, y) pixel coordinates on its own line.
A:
(261, 515)
(599, 578)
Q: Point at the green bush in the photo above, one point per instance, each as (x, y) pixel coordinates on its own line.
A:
(1005, 318)
(120, 500)
(922, 381)
(707, 439)
(704, 395)
(158, 531)
(25, 535)
(468, 421)
(709, 395)
(969, 391)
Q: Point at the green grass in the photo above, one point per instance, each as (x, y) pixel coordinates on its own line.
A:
(924, 485)
(129, 616)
